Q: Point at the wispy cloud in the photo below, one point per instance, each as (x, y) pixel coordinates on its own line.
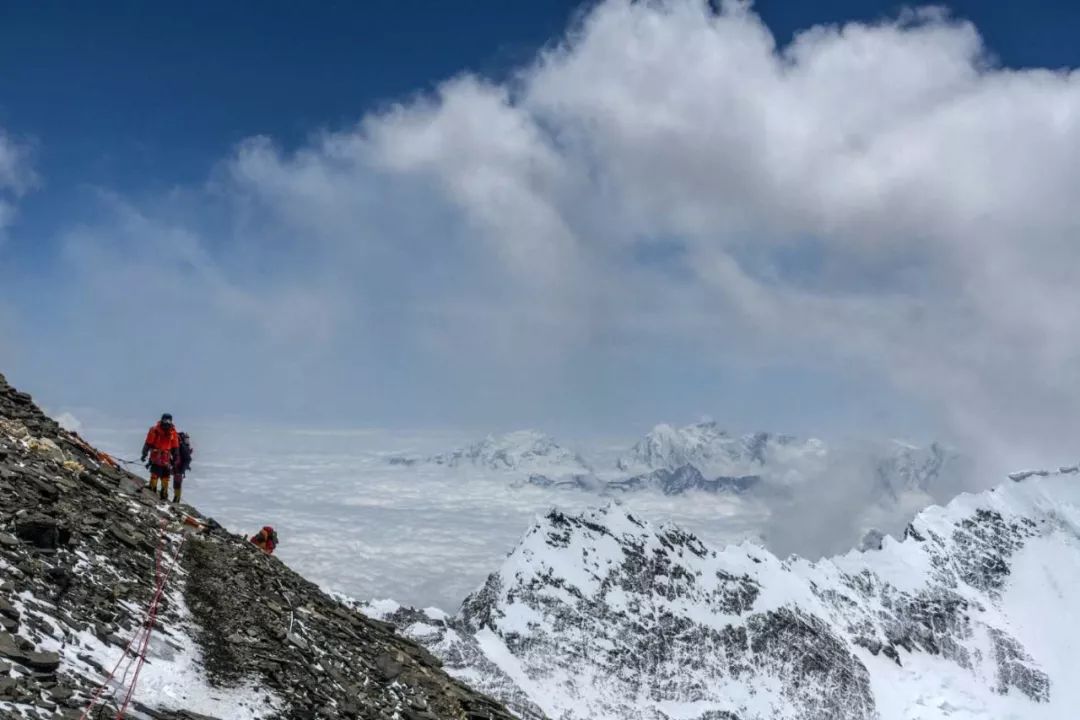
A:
(17, 176)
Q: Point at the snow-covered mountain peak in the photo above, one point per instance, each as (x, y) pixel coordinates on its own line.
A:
(601, 614)
(602, 550)
(713, 450)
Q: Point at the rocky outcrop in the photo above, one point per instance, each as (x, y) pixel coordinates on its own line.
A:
(238, 634)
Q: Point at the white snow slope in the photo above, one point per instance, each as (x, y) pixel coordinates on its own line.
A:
(603, 616)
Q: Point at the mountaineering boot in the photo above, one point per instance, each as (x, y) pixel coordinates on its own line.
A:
(153, 483)
(164, 489)
(176, 496)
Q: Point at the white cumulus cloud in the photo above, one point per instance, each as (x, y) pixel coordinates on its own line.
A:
(880, 193)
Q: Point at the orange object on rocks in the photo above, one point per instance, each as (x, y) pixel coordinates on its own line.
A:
(266, 540)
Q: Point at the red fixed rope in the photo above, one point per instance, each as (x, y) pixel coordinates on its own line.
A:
(147, 619)
(150, 628)
(144, 630)
(127, 648)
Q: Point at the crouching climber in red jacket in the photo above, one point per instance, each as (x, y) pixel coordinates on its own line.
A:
(265, 540)
(163, 446)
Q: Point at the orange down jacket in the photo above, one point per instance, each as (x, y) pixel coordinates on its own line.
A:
(163, 444)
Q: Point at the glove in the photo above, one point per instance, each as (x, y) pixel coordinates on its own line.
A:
(143, 457)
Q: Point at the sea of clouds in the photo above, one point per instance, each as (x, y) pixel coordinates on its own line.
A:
(428, 535)
(425, 535)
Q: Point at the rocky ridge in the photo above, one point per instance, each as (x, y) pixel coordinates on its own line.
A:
(602, 615)
(684, 479)
(238, 634)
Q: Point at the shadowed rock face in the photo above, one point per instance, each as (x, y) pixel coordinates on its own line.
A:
(78, 540)
(685, 478)
(305, 645)
(601, 615)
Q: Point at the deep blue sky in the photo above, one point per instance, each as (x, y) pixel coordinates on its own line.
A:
(140, 97)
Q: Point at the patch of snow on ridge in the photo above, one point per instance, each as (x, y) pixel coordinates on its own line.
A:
(172, 677)
(602, 615)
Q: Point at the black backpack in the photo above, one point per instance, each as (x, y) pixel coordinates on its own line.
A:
(186, 451)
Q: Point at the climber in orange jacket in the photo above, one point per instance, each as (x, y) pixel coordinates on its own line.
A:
(163, 447)
(265, 540)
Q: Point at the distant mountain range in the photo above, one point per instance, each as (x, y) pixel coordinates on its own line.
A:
(521, 451)
(703, 457)
(715, 452)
